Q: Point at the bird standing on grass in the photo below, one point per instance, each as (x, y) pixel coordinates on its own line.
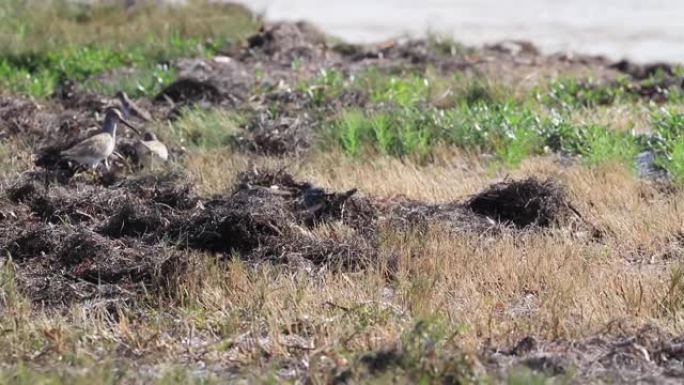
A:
(97, 148)
(132, 109)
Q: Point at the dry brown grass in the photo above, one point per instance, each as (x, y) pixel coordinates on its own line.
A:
(15, 156)
(484, 289)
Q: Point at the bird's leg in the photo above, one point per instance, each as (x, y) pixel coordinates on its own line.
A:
(106, 162)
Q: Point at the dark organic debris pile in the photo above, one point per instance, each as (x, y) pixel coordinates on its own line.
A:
(188, 91)
(522, 203)
(270, 216)
(286, 42)
(78, 238)
(280, 136)
(81, 242)
(648, 355)
(654, 81)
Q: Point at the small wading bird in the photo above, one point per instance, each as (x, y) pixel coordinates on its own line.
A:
(97, 148)
(150, 145)
(132, 109)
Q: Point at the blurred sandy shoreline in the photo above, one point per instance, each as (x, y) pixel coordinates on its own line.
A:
(632, 29)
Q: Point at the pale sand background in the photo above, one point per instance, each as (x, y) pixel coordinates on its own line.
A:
(641, 30)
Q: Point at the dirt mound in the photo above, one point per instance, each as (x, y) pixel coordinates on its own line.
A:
(270, 216)
(522, 203)
(287, 42)
(189, 91)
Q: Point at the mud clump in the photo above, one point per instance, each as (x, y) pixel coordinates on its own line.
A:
(519, 204)
(270, 216)
(522, 203)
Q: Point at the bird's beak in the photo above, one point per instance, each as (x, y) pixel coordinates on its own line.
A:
(131, 127)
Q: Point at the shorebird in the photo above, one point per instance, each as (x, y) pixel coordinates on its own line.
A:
(132, 109)
(151, 145)
(97, 148)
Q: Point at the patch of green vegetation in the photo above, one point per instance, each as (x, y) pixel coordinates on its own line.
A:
(510, 131)
(352, 131)
(138, 82)
(28, 27)
(403, 92)
(408, 121)
(206, 129)
(603, 145)
(675, 162)
(520, 145)
(667, 141)
(39, 75)
(407, 132)
(327, 85)
(60, 41)
(490, 127)
(573, 93)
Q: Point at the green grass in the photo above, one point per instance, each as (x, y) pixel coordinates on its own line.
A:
(602, 145)
(327, 85)
(405, 133)
(42, 46)
(404, 125)
(675, 161)
(667, 141)
(51, 25)
(573, 93)
(145, 81)
(352, 131)
(403, 121)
